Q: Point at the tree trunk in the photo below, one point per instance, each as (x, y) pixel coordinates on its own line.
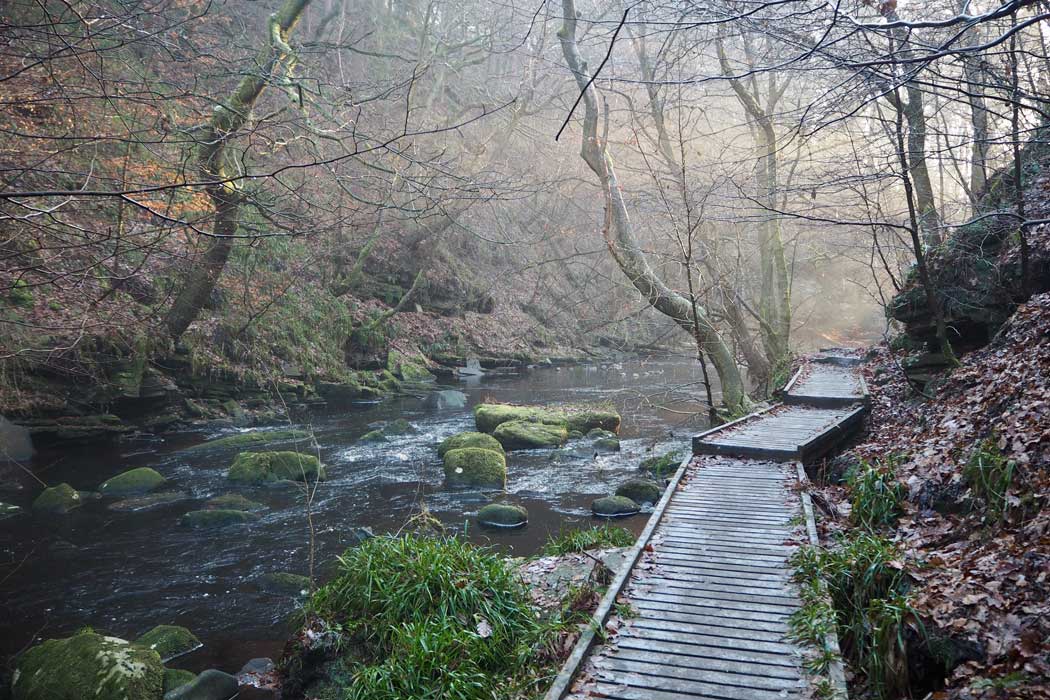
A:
(620, 241)
(199, 281)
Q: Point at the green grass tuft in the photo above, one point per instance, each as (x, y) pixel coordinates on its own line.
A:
(603, 537)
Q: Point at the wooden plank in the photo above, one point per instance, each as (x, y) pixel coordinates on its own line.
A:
(666, 654)
(638, 688)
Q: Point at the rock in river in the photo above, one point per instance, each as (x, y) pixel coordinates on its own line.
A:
(469, 439)
(614, 507)
(58, 499)
(209, 685)
(641, 490)
(503, 515)
(264, 467)
(88, 666)
(203, 519)
(169, 641)
(132, 482)
(527, 435)
(473, 466)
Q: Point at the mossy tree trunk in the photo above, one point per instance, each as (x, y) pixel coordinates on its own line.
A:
(620, 240)
(199, 281)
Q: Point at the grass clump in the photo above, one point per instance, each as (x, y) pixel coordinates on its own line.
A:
(875, 495)
(868, 591)
(603, 537)
(989, 474)
(432, 617)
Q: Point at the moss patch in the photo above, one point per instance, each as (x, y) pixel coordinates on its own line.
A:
(662, 466)
(132, 482)
(373, 436)
(169, 641)
(176, 678)
(399, 427)
(472, 466)
(469, 439)
(526, 435)
(255, 438)
(88, 665)
(489, 416)
(58, 499)
(265, 467)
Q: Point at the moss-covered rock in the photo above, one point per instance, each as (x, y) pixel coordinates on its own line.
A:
(233, 501)
(599, 433)
(489, 416)
(473, 466)
(169, 641)
(409, 368)
(399, 427)
(211, 684)
(9, 510)
(88, 666)
(641, 490)
(205, 519)
(58, 499)
(526, 435)
(661, 466)
(586, 420)
(132, 482)
(176, 678)
(607, 444)
(614, 507)
(469, 439)
(285, 583)
(255, 438)
(372, 436)
(503, 515)
(265, 467)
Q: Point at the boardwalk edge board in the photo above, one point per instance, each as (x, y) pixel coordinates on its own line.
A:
(579, 651)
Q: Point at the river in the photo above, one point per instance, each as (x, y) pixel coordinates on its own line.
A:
(124, 572)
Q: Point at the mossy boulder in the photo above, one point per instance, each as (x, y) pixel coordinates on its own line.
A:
(599, 433)
(473, 466)
(585, 420)
(469, 439)
(408, 367)
(265, 467)
(373, 436)
(399, 427)
(9, 510)
(285, 583)
(132, 482)
(503, 515)
(176, 678)
(233, 501)
(88, 666)
(169, 641)
(58, 499)
(607, 444)
(207, 519)
(661, 466)
(489, 416)
(254, 438)
(614, 507)
(641, 490)
(527, 435)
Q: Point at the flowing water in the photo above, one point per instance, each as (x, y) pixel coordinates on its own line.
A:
(122, 572)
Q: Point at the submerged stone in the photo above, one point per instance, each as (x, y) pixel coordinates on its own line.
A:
(131, 482)
(641, 491)
(448, 398)
(9, 510)
(473, 466)
(150, 500)
(254, 438)
(204, 519)
(607, 444)
(169, 641)
(286, 583)
(662, 466)
(233, 501)
(586, 420)
(526, 435)
(469, 439)
(614, 507)
(373, 436)
(209, 685)
(58, 499)
(264, 467)
(503, 515)
(88, 666)
(399, 427)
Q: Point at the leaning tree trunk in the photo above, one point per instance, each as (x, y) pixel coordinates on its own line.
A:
(199, 281)
(620, 241)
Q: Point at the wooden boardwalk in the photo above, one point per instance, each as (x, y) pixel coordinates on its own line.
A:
(708, 582)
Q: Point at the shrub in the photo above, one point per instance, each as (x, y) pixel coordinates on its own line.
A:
(875, 495)
(989, 475)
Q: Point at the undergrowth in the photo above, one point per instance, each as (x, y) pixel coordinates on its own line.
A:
(990, 474)
(875, 494)
(437, 617)
(602, 537)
